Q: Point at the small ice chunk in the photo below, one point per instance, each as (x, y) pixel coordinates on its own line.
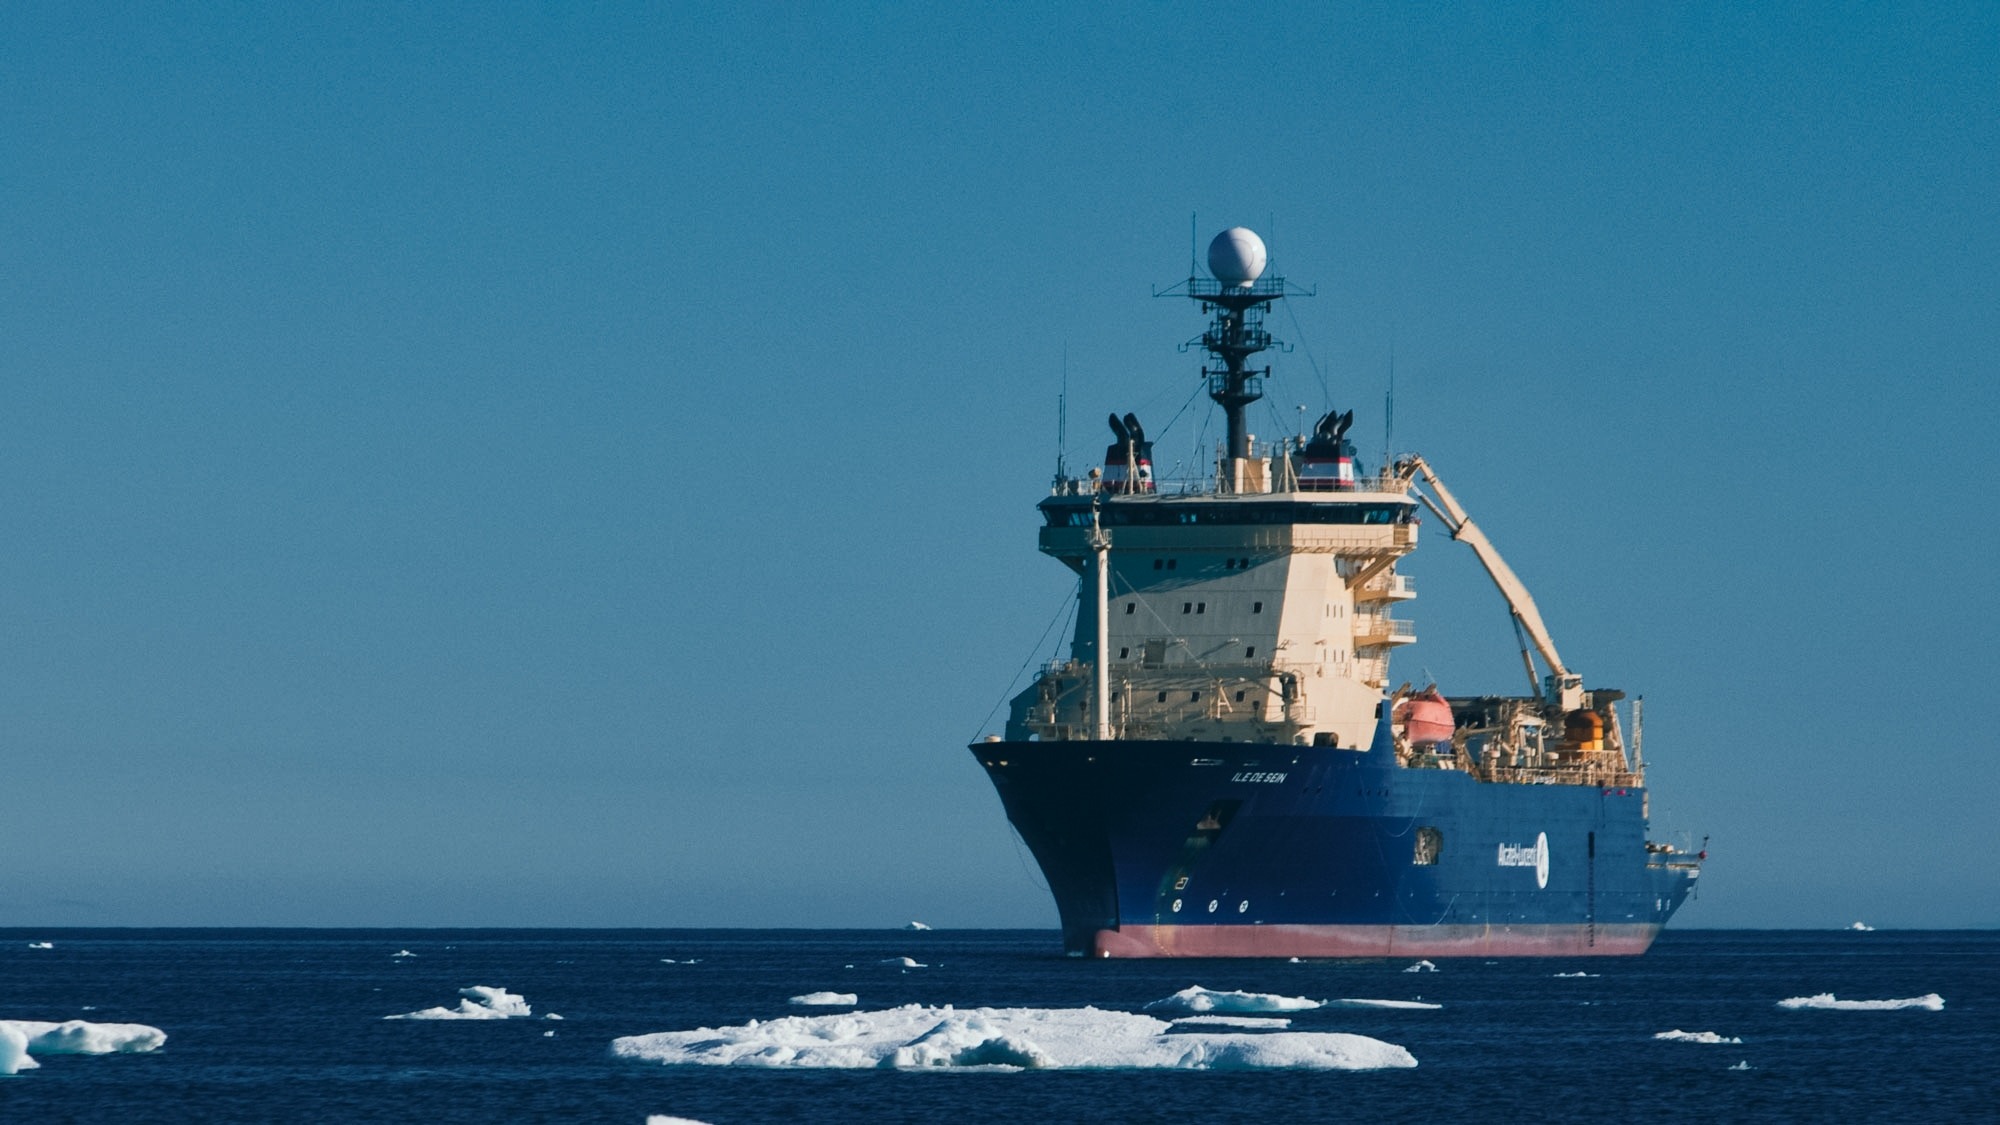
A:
(826, 1000)
(1862, 927)
(906, 962)
(41, 945)
(551, 1016)
(402, 953)
(1744, 1065)
(919, 1037)
(481, 1002)
(1383, 1004)
(549, 1034)
(1574, 976)
(663, 1119)
(1929, 1001)
(20, 1038)
(1232, 1021)
(1195, 998)
(1425, 967)
(914, 926)
(1679, 1036)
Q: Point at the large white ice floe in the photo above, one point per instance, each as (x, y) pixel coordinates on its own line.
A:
(480, 1002)
(1195, 998)
(1929, 1001)
(920, 1037)
(906, 962)
(1273, 1022)
(20, 1040)
(1679, 1036)
(826, 1000)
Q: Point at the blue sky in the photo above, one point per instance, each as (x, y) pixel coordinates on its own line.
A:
(546, 467)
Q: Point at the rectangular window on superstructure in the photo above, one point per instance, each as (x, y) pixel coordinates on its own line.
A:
(1159, 564)
(1163, 697)
(1172, 563)
(1256, 607)
(1123, 653)
(1130, 606)
(1201, 607)
(1250, 652)
(1239, 697)
(1187, 607)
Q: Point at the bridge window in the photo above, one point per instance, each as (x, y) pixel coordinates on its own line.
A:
(1130, 606)
(1123, 653)
(1159, 564)
(1187, 607)
(1256, 607)
(1201, 607)
(1194, 697)
(1250, 652)
(1239, 697)
(1163, 697)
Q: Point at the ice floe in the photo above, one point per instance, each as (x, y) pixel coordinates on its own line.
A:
(41, 945)
(1862, 927)
(916, 926)
(826, 1000)
(1422, 967)
(1930, 1002)
(663, 1119)
(671, 961)
(1195, 998)
(481, 1002)
(1232, 1021)
(1574, 976)
(1679, 1036)
(1744, 1065)
(20, 1040)
(906, 962)
(1411, 1004)
(402, 953)
(919, 1037)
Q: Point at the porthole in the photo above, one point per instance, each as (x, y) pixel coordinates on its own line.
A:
(1243, 906)
(1212, 904)
(1177, 906)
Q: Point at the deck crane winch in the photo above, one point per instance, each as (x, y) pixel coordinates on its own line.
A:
(1562, 687)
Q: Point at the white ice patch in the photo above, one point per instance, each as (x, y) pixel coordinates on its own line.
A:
(1679, 1036)
(1276, 1022)
(1862, 928)
(906, 962)
(663, 1119)
(1422, 967)
(1744, 1065)
(1413, 1004)
(481, 1002)
(1574, 976)
(671, 961)
(1199, 999)
(916, 926)
(918, 1037)
(41, 945)
(1930, 1002)
(21, 1038)
(826, 1000)
(402, 953)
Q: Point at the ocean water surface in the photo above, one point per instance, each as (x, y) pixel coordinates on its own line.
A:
(291, 1025)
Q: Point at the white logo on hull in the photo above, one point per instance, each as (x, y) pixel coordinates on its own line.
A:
(1535, 856)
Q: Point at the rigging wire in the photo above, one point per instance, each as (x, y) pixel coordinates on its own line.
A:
(1069, 603)
(1299, 333)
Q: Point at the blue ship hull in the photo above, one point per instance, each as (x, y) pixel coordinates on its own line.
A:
(1243, 849)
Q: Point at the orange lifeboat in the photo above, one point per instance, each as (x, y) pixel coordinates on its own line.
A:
(1426, 717)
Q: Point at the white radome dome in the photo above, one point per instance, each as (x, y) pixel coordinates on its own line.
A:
(1237, 257)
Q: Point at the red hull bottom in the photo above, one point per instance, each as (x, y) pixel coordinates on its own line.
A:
(1624, 940)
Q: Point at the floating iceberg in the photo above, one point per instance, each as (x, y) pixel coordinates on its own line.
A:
(906, 962)
(1424, 967)
(41, 945)
(1413, 1004)
(402, 953)
(826, 999)
(1744, 1065)
(19, 1039)
(481, 1002)
(916, 926)
(1930, 1002)
(1199, 999)
(918, 1037)
(1862, 927)
(1679, 1036)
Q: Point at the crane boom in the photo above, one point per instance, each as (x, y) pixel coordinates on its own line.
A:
(1566, 687)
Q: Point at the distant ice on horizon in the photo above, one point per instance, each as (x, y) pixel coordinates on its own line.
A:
(826, 999)
(919, 1037)
(914, 926)
(1410, 1004)
(1679, 1036)
(1827, 1001)
(20, 1040)
(481, 1002)
(1422, 967)
(1862, 927)
(1197, 999)
(906, 962)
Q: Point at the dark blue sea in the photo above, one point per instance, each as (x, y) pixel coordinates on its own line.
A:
(287, 1025)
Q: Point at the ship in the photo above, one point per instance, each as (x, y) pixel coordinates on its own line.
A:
(1222, 766)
